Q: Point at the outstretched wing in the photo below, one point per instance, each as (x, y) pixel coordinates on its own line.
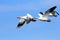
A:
(29, 16)
(49, 11)
(22, 21)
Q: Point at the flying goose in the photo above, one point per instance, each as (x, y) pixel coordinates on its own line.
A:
(52, 12)
(26, 19)
(49, 12)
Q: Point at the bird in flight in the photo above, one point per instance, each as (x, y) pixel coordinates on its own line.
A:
(28, 18)
(42, 16)
(52, 11)
(49, 12)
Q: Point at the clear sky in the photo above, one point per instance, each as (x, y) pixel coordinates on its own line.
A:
(10, 9)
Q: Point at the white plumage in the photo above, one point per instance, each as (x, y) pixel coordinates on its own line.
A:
(26, 19)
(49, 12)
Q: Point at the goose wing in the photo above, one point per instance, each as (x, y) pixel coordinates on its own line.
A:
(49, 11)
(28, 20)
(29, 16)
(21, 22)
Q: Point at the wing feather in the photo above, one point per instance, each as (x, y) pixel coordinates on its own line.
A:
(22, 21)
(49, 11)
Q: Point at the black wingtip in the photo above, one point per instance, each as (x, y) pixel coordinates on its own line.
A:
(54, 7)
(19, 25)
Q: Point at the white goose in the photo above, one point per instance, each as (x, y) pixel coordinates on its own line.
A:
(52, 12)
(49, 12)
(26, 19)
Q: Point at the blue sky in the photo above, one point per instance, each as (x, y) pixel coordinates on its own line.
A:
(10, 9)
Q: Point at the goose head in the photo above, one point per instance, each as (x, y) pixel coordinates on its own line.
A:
(19, 17)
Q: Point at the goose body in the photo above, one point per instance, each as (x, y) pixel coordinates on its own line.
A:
(28, 18)
(49, 12)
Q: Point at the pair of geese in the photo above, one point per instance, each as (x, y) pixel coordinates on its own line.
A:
(42, 16)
